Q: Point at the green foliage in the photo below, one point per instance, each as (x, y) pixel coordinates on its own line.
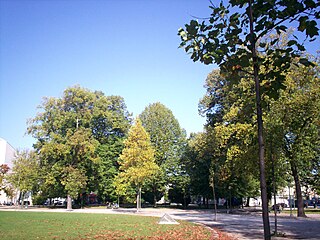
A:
(137, 161)
(124, 188)
(235, 39)
(198, 165)
(73, 180)
(4, 168)
(293, 123)
(229, 140)
(103, 174)
(293, 116)
(165, 132)
(168, 140)
(227, 37)
(26, 172)
(72, 132)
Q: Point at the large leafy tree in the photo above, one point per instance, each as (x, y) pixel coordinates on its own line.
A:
(197, 159)
(137, 160)
(229, 134)
(69, 131)
(104, 173)
(295, 118)
(233, 39)
(168, 139)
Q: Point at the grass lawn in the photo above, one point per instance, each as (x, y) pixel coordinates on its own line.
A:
(306, 210)
(51, 225)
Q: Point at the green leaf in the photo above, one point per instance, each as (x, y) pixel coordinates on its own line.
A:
(312, 29)
(302, 23)
(305, 62)
(292, 42)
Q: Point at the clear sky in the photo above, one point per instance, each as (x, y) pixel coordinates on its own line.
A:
(121, 47)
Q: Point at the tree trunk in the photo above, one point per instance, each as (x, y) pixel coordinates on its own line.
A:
(248, 202)
(154, 200)
(275, 207)
(139, 199)
(214, 200)
(263, 184)
(295, 175)
(274, 197)
(69, 203)
(154, 196)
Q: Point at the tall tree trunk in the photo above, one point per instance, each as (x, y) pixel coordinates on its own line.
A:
(263, 184)
(248, 202)
(139, 199)
(69, 202)
(154, 200)
(274, 196)
(295, 175)
(154, 195)
(214, 199)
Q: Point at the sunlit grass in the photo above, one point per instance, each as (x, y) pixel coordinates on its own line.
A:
(70, 225)
(306, 210)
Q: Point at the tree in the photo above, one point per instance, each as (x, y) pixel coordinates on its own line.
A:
(137, 161)
(168, 140)
(26, 173)
(229, 137)
(233, 38)
(197, 163)
(4, 169)
(295, 117)
(104, 173)
(69, 132)
(4, 185)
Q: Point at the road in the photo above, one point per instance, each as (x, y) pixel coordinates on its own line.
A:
(241, 225)
(251, 226)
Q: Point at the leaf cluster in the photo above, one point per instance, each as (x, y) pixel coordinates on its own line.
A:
(228, 40)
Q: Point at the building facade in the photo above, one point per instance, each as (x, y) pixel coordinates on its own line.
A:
(7, 156)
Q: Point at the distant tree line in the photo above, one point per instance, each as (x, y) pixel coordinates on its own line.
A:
(84, 145)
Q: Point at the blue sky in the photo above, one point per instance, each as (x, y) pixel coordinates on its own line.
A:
(125, 47)
(121, 47)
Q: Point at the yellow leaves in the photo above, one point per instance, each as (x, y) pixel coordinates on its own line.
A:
(137, 160)
(234, 152)
(232, 114)
(237, 131)
(73, 179)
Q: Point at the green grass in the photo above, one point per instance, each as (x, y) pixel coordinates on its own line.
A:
(306, 210)
(48, 225)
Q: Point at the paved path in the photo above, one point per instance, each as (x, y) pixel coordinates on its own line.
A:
(241, 226)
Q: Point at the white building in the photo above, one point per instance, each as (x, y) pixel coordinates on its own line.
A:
(7, 155)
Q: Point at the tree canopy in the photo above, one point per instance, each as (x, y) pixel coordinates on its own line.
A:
(235, 39)
(168, 140)
(137, 161)
(69, 132)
